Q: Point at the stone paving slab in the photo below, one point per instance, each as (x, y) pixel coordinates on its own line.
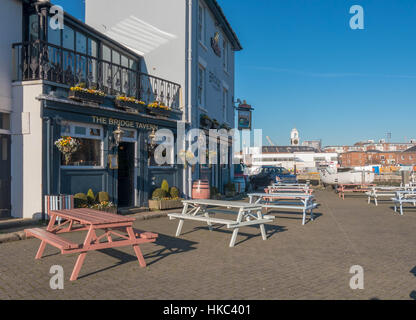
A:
(296, 262)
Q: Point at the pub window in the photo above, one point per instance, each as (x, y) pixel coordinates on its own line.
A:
(201, 86)
(225, 54)
(225, 104)
(54, 35)
(151, 155)
(90, 152)
(201, 24)
(4, 121)
(68, 36)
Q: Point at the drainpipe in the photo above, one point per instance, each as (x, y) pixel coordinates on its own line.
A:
(188, 84)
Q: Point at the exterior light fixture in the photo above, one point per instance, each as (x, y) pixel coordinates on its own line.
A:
(152, 139)
(117, 135)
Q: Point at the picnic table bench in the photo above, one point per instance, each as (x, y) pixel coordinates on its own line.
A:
(92, 221)
(289, 189)
(382, 192)
(353, 188)
(197, 210)
(292, 201)
(403, 197)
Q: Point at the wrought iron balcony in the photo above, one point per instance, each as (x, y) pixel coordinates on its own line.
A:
(39, 60)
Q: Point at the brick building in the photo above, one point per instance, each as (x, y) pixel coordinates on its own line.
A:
(374, 157)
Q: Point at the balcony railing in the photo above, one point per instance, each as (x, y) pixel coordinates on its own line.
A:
(39, 60)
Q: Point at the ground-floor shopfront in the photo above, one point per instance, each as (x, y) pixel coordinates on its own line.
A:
(5, 176)
(125, 170)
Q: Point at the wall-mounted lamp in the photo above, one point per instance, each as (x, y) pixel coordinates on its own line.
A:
(116, 138)
(152, 140)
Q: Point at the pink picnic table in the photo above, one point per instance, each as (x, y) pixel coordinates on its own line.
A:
(111, 225)
(353, 187)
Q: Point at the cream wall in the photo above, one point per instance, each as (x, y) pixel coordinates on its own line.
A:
(26, 151)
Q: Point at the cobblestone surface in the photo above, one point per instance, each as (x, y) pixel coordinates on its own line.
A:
(296, 262)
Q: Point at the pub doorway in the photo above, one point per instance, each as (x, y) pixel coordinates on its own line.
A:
(5, 176)
(126, 188)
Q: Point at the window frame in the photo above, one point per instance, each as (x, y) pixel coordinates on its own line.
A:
(201, 23)
(201, 89)
(72, 134)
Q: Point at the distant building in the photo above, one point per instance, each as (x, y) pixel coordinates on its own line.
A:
(375, 157)
(372, 145)
(303, 157)
(317, 144)
(294, 137)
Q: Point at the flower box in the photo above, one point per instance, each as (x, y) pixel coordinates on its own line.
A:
(86, 96)
(165, 204)
(126, 105)
(215, 125)
(109, 210)
(159, 112)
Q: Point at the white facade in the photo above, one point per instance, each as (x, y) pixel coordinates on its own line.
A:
(175, 38)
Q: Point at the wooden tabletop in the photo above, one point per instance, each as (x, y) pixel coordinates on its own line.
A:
(90, 216)
(223, 203)
(282, 195)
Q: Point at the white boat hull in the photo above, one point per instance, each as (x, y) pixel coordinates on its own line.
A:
(349, 177)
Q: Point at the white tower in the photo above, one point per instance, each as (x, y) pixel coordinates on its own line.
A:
(294, 137)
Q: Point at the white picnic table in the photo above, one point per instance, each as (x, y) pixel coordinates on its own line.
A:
(383, 192)
(248, 214)
(406, 196)
(293, 201)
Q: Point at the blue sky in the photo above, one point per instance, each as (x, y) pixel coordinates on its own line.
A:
(302, 66)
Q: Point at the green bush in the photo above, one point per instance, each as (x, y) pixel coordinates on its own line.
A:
(103, 196)
(80, 200)
(165, 186)
(159, 194)
(90, 196)
(174, 192)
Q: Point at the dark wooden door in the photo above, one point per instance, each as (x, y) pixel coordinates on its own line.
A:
(5, 176)
(126, 174)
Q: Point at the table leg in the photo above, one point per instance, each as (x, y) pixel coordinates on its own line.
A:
(80, 260)
(180, 224)
(234, 237)
(43, 243)
(262, 228)
(235, 231)
(136, 248)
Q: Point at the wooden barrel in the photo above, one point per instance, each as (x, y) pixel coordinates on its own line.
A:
(201, 189)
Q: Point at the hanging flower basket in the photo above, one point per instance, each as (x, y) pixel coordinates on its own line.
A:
(206, 122)
(215, 124)
(67, 146)
(127, 103)
(79, 93)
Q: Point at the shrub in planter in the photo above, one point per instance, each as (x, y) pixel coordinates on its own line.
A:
(174, 192)
(90, 197)
(102, 197)
(165, 186)
(159, 194)
(80, 200)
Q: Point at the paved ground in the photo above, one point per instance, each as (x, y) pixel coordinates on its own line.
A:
(296, 262)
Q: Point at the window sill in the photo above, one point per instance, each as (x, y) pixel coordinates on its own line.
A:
(202, 109)
(82, 168)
